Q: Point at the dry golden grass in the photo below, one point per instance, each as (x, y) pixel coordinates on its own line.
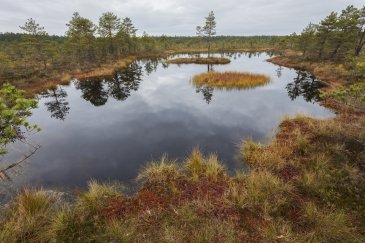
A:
(106, 69)
(64, 78)
(200, 60)
(332, 73)
(231, 80)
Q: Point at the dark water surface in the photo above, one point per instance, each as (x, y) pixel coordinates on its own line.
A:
(108, 128)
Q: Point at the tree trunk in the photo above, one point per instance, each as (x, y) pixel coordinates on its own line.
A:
(321, 49)
(360, 44)
(336, 50)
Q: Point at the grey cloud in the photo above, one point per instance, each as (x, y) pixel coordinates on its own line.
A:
(176, 17)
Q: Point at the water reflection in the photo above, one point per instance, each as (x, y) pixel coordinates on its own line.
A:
(58, 105)
(165, 65)
(207, 93)
(210, 68)
(93, 90)
(305, 85)
(13, 164)
(124, 82)
(151, 65)
(118, 86)
(11, 169)
(279, 71)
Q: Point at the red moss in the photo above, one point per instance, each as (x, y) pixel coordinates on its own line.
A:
(288, 173)
(116, 208)
(152, 197)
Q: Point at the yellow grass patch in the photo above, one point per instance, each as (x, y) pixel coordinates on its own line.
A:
(231, 80)
(106, 69)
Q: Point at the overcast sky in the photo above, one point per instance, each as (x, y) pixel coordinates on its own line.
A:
(176, 17)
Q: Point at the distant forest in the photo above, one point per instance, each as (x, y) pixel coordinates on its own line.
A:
(339, 37)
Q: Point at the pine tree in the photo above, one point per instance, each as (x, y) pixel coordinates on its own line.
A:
(34, 43)
(109, 24)
(80, 36)
(127, 34)
(361, 32)
(208, 30)
(325, 29)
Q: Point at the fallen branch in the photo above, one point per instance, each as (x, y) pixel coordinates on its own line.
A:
(3, 173)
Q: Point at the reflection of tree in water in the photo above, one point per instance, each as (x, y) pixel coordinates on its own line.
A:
(125, 81)
(118, 86)
(93, 91)
(253, 54)
(279, 71)
(207, 93)
(205, 90)
(165, 65)
(306, 85)
(151, 65)
(58, 106)
(210, 68)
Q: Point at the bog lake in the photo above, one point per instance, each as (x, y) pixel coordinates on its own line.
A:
(109, 128)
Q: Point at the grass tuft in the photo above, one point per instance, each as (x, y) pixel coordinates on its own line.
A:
(260, 191)
(209, 167)
(28, 217)
(327, 226)
(97, 195)
(160, 171)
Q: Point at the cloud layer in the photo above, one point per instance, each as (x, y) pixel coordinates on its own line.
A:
(176, 17)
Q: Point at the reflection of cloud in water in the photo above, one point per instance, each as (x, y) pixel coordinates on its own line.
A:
(176, 132)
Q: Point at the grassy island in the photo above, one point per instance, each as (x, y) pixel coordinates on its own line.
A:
(200, 60)
(231, 80)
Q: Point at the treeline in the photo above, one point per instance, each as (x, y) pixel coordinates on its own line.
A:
(18, 37)
(84, 45)
(337, 37)
(87, 45)
(220, 42)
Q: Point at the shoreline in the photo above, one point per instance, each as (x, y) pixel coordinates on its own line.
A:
(39, 84)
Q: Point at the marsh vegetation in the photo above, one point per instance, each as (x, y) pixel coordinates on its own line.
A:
(231, 80)
(307, 185)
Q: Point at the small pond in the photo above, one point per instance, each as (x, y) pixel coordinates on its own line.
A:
(108, 128)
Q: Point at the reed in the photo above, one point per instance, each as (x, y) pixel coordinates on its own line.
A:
(231, 80)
